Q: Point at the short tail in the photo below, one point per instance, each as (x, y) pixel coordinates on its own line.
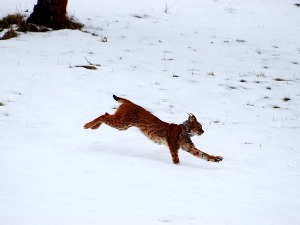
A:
(118, 99)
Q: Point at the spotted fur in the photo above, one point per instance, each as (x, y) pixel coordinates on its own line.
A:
(175, 136)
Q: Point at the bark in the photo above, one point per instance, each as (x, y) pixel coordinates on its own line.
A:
(49, 13)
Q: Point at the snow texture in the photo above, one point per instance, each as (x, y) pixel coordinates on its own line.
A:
(234, 64)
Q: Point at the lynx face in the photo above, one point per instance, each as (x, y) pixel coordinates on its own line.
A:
(193, 126)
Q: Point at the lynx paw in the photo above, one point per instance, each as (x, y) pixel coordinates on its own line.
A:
(88, 125)
(215, 158)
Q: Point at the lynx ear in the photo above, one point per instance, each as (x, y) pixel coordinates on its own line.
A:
(191, 117)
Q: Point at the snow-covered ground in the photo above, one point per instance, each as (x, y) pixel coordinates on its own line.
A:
(230, 63)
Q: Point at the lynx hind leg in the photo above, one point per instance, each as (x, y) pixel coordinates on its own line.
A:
(96, 126)
(110, 120)
(96, 123)
(93, 124)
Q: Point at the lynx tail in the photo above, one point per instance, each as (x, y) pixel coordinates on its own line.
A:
(116, 97)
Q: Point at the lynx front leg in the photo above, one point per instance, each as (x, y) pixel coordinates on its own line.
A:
(174, 152)
(190, 148)
(175, 158)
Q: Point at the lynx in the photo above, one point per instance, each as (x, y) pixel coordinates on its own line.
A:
(175, 136)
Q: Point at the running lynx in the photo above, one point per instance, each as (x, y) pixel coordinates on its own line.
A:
(175, 136)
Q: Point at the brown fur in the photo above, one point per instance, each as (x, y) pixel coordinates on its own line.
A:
(176, 136)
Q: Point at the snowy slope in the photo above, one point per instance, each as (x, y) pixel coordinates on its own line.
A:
(230, 63)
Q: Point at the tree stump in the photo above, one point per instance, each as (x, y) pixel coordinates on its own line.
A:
(49, 13)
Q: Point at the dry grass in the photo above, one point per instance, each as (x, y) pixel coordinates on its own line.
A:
(11, 33)
(211, 74)
(88, 67)
(7, 21)
(281, 79)
(21, 25)
(72, 23)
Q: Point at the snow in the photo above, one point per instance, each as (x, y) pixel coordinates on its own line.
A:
(173, 58)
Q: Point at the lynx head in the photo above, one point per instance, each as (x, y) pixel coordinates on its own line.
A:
(192, 126)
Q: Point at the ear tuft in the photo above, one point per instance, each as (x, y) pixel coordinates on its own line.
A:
(191, 117)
